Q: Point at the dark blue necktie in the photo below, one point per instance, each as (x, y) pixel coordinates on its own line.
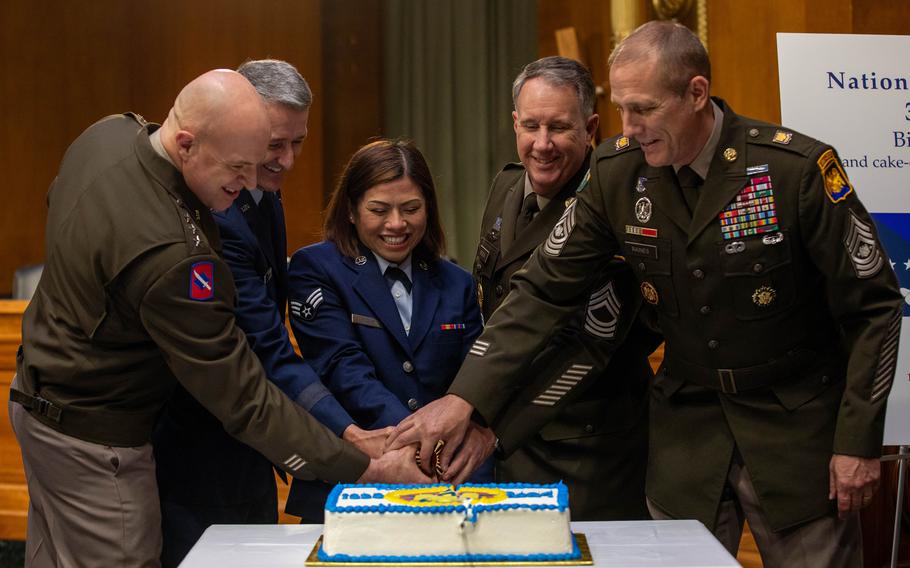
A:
(393, 273)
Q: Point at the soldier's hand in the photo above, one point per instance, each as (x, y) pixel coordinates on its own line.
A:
(444, 419)
(478, 445)
(395, 466)
(852, 481)
(370, 442)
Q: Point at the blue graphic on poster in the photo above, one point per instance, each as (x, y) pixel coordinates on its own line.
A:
(894, 233)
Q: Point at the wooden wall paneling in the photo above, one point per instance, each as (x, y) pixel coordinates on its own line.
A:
(743, 46)
(881, 17)
(352, 67)
(67, 64)
(13, 490)
(591, 21)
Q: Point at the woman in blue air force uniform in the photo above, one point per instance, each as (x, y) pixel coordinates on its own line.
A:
(379, 314)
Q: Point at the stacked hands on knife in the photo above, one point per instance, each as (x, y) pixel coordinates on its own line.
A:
(442, 430)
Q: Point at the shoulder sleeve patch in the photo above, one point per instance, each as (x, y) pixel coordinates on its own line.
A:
(837, 185)
(202, 281)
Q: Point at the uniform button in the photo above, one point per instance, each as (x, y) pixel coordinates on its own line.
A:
(407, 366)
(589, 428)
(413, 404)
(758, 267)
(499, 289)
(705, 310)
(713, 344)
(698, 273)
(641, 266)
(825, 380)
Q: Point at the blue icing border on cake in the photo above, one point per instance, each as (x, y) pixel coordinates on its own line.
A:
(332, 506)
(574, 555)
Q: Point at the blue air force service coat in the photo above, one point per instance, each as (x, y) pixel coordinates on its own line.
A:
(348, 328)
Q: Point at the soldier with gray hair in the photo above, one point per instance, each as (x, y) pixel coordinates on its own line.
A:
(780, 311)
(206, 476)
(587, 403)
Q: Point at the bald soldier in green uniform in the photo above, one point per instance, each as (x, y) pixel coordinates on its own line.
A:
(134, 297)
(583, 419)
(780, 311)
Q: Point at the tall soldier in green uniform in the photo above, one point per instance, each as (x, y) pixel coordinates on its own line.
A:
(133, 297)
(580, 420)
(779, 308)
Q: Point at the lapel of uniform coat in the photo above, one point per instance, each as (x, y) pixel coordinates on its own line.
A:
(510, 207)
(668, 196)
(256, 220)
(373, 289)
(725, 178)
(427, 290)
(536, 232)
(280, 239)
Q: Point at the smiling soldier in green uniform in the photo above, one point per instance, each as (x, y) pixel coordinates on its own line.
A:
(780, 311)
(583, 419)
(135, 297)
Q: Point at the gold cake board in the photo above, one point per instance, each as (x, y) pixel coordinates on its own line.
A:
(585, 560)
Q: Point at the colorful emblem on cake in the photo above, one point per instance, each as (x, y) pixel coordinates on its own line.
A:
(442, 496)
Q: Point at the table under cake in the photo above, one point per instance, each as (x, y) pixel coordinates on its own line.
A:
(614, 544)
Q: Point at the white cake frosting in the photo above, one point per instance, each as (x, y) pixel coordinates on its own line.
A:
(408, 523)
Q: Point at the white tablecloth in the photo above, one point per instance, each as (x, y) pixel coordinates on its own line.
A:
(615, 544)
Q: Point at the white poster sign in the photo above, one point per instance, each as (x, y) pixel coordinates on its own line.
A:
(853, 92)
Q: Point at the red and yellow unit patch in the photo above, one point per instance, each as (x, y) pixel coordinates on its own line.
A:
(448, 326)
(751, 212)
(837, 185)
(445, 496)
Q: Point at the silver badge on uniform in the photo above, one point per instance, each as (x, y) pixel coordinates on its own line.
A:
(560, 233)
(422, 264)
(306, 310)
(773, 239)
(643, 210)
(602, 316)
(640, 184)
(735, 247)
(861, 246)
(360, 260)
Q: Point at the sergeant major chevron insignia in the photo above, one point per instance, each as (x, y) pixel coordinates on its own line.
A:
(602, 314)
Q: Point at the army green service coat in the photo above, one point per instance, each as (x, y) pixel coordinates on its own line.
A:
(583, 417)
(135, 297)
(781, 339)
